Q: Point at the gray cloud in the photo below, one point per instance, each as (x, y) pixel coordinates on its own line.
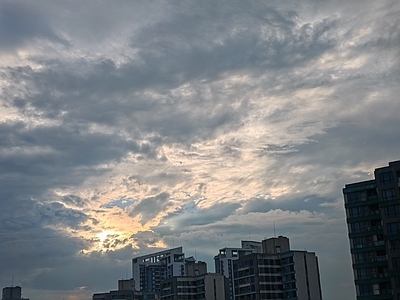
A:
(23, 22)
(198, 124)
(190, 215)
(150, 207)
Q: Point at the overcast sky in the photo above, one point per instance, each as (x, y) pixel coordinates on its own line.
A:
(130, 126)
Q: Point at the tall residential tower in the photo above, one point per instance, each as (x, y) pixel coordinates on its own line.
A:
(373, 219)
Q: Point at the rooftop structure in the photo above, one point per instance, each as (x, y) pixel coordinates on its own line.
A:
(12, 293)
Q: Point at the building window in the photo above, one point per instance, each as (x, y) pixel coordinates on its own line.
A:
(396, 263)
(393, 228)
(365, 289)
(385, 288)
(353, 197)
(388, 194)
(386, 178)
(356, 212)
(394, 246)
(362, 227)
(363, 273)
(360, 257)
(358, 242)
(391, 211)
(397, 281)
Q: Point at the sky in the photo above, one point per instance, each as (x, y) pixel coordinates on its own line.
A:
(127, 127)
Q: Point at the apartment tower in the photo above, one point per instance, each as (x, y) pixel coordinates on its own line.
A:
(373, 221)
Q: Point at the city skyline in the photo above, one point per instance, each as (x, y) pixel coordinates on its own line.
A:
(131, 127)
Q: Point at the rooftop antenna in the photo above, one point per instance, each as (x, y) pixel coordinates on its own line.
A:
(12, 281)
(195, 256)
(274, 228)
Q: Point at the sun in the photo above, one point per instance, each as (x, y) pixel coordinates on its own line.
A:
(107, 234)
(102, 236)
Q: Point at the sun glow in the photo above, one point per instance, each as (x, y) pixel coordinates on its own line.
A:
(105, 235)
(108, 240)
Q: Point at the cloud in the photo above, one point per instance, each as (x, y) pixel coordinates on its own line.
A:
(149, 208)
(23, 22)
(129, 127)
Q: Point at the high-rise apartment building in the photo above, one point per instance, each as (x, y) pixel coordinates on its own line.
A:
(258, 276)
(373, 219)
(224, 263)
(12, 293)
(126, 290)
(149, 270)
(200, 287)
(277, 273)
(300, 275)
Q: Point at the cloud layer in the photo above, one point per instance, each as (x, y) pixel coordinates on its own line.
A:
(129, 127)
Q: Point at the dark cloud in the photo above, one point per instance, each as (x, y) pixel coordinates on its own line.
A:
(83, 269)
(310, 203)
(146, 241)
(207, 120)
(44, 157)
(24, 215)
(74, 201)
(150, 207)
(191, 215)
(21, 22)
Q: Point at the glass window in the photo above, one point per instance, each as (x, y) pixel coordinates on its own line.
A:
(355, 212)
(396, 263)
(393, 228)
(365, 289)
(353, 197)
(388, 194)
(386, 178)
(373, 209)
(394, 246)
(385, 288)
(363, 273)
(361, 257)
(355, 227)
(358, 242)
(391, 211)
(397, 281)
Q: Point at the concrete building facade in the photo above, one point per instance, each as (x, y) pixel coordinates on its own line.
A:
(12, 293)
(300, 275)
(277, 273)
(224, 264)
(200, 287)
(149, 270)
(270, 270)
(118, 294)
(373, 222)
(258, 276)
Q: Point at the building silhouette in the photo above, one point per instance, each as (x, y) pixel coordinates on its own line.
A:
(373, 221)
(224, 264)
(126, 290)
(277, 273)
(258, 270)
(149, 270)
(13, 293)
(200, 287)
